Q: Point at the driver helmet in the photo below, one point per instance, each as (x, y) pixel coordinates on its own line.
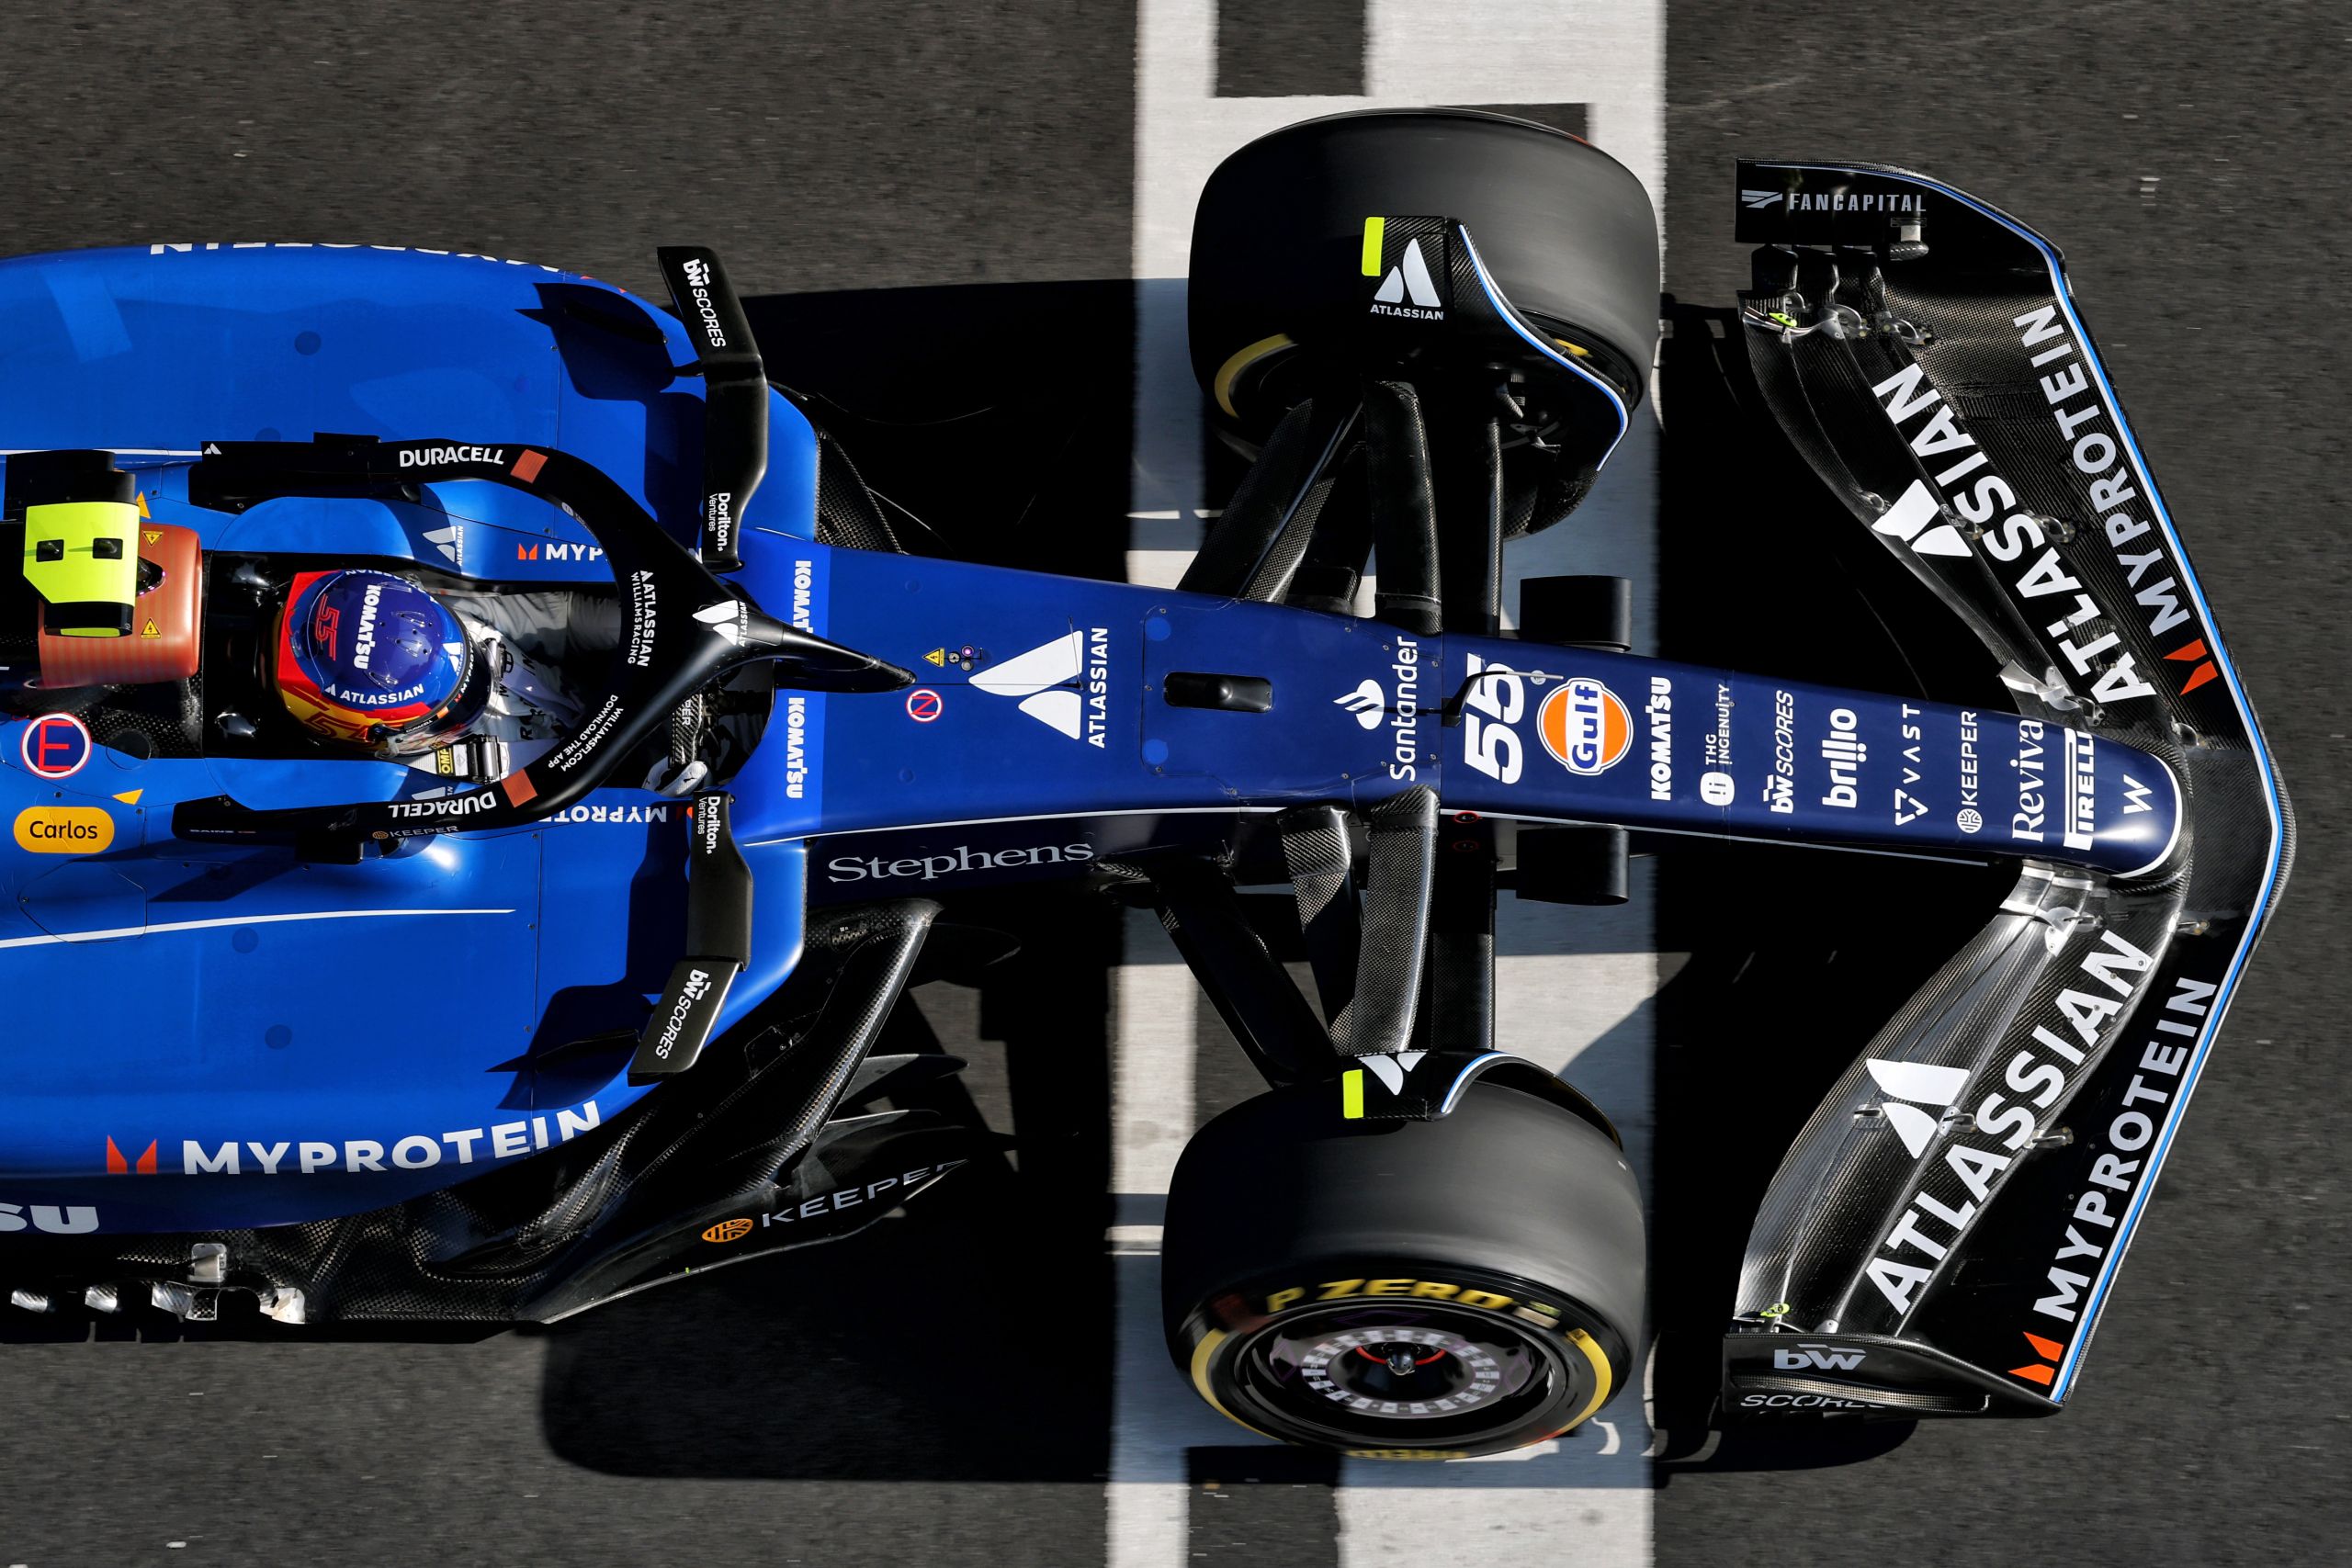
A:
(370, 658)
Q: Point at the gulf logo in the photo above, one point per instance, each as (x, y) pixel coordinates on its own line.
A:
(1585, 726)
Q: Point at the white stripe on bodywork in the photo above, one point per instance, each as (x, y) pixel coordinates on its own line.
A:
(113, 932)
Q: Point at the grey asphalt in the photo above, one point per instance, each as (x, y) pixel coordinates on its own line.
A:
(828, 147)
(2213, 1423)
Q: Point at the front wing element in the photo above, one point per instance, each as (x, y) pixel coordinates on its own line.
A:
(1943, 1233)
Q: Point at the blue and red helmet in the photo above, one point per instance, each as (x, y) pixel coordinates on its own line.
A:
(371, 659)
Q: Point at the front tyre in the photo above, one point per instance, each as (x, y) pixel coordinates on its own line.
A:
(1404, 1289)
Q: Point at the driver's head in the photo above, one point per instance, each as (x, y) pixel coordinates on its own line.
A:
(372, 659)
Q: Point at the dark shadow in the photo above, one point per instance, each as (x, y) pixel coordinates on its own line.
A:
(969, 1337)
(1791, 1444)
(1797, 956)
(966, 1339)
(573, 1053)
(998, 415)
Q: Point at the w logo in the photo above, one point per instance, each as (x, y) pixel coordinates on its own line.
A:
(1366, 702)
(1923, 1084)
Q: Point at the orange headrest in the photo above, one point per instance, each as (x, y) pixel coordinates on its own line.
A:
(165, 641)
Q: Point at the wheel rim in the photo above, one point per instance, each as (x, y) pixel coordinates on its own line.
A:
(1422, 1377)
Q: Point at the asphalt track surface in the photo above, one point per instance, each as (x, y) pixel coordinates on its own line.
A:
(944, 1399)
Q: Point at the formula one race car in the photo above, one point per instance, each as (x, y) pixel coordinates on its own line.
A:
(384, 611)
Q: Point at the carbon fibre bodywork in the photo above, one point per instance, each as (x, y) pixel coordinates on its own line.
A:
(1944, 1231)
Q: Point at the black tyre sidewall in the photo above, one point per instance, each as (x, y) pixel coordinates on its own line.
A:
(1526, 1210)
(1568, 233)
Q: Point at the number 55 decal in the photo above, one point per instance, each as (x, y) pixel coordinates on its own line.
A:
(1495, 699)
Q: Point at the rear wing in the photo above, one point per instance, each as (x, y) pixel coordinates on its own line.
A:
(1945, 1231)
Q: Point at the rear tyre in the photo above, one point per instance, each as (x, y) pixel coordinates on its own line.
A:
(1404, 1289)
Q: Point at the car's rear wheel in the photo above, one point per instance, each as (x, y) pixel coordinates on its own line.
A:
(1410, 1290)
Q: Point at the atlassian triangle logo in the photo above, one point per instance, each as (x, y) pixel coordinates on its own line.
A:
(1392, 1071)
(1924, 1083)
(1908, 518)
(1039, 678)
(1409, 277)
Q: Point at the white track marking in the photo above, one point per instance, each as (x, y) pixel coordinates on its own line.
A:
(1155, 1416)
(1576, 989)
(1152, 1094)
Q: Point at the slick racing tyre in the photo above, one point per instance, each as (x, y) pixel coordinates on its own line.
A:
(1277, 294)
(1411, 1289)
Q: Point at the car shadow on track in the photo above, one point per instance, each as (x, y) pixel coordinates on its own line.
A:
(1797, 957)
(967, 1338)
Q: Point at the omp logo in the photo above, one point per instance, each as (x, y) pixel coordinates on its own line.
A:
(1762, 197)
(1908, 521)
(1046, 682)
(728, 1230)
(1586, 726)
(2049, 1351)
(697, 273)
(1365, 702)
(1818, 1358)
(1922, 1083)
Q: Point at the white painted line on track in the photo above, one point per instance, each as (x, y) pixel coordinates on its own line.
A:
(1575, 992)
(1155, 1418)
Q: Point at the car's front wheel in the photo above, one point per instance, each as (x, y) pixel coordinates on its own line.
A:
(1411, 1289)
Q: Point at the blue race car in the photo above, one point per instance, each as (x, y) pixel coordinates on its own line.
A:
(380, 600)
